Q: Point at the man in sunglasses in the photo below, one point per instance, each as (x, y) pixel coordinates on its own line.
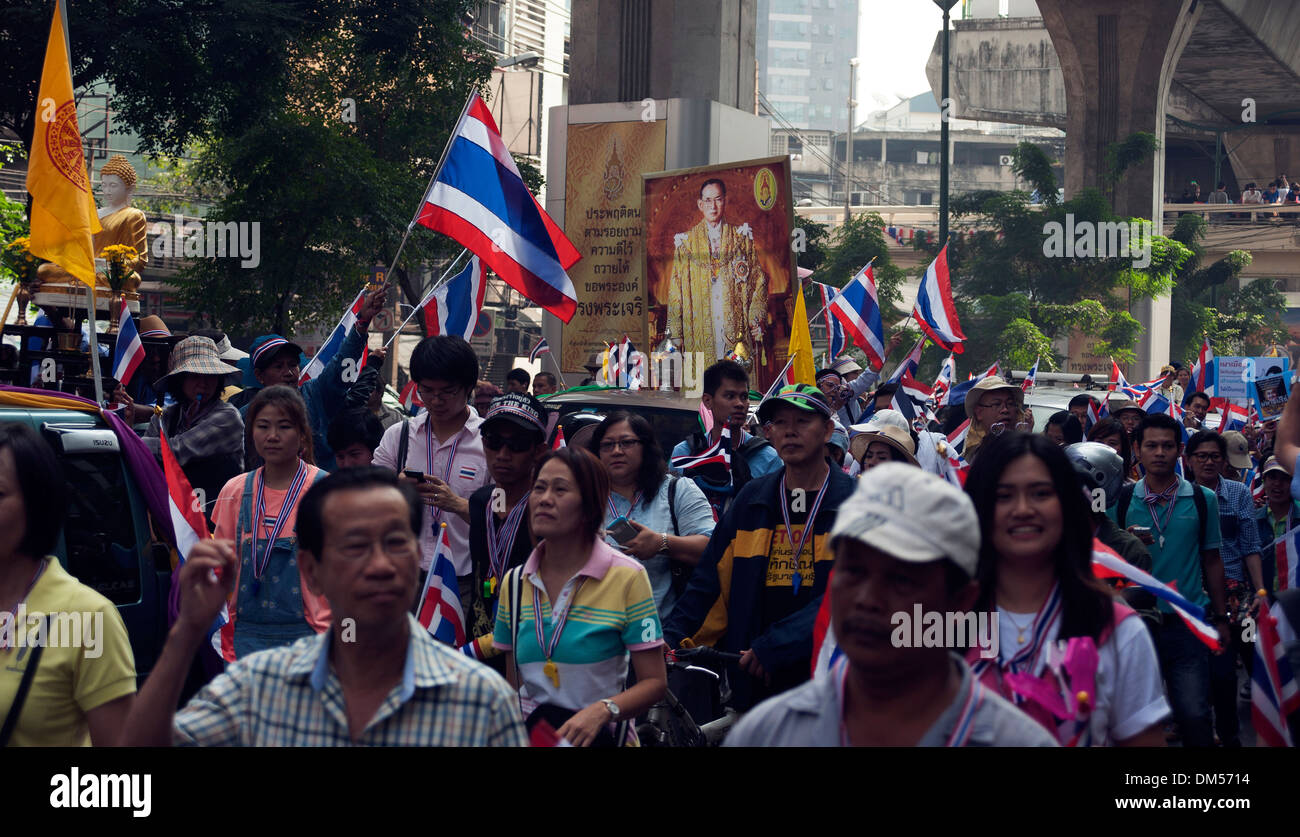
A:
(514, 437)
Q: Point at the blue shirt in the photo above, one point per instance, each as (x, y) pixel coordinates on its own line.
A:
(1239, 534)
(1177, 560)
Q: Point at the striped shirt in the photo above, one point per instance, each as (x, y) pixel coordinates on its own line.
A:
(612, 612)
(292, 697)
(1239, 534)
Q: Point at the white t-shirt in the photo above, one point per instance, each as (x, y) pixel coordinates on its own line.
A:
(1130, 693)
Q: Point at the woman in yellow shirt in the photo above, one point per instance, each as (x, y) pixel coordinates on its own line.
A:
(62, 645)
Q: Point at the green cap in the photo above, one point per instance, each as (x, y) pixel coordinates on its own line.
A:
(799, 396)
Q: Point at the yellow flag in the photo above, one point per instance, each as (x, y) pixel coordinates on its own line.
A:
(63, 211)
(803, 368)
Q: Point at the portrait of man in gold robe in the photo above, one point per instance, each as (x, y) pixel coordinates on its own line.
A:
(717, 294)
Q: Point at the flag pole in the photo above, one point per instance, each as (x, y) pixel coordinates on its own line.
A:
(814, 317)
(437, 171)
(420, 307)
(556, 364)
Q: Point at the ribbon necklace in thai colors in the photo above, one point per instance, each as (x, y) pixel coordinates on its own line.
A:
(501, 543)
(557, 627)
(809, 524)
(290, 498)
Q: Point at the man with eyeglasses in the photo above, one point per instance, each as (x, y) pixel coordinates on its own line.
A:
(375, 678)
(514, 438)
(440, 451)
(993, 407)
(1242, 569)
(717, 293)
(759, 584)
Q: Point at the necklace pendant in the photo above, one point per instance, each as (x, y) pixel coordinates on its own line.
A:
(1162, 541)
(797, 581)
(553, 672)
(1020, 639)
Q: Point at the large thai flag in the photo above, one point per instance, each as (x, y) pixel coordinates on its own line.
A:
(858, 309)
(834, 330)
(479, 199)
(335, 342)
(128, 352)
(1274, 693)
(1201, 370)
(934, 310)
(453, 308)
(943, 383)
(1106, 563)
(190, 527)
(909, 364)
(440, 610)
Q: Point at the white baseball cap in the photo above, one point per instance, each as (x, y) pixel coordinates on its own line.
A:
(911, 515)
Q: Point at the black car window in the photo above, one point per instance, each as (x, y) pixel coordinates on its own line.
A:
(98, 532)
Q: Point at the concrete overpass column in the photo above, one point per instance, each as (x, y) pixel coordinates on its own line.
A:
(1117, 60)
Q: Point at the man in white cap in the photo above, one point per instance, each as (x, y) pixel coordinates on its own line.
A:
(905, 541)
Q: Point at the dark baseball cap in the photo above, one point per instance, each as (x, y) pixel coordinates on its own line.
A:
(518, 408)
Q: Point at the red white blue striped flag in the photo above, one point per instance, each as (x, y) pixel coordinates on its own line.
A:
(440, 610)
(1273, 691)
(934, 310)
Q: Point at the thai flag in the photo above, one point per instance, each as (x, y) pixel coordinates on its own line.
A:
(911, 397)
(1104, 410)
(620, 366)
(834, 331)
(910, 363)
(1274, 693)
(858, 309)
(1106, 563)
(717, 454)
(1287, 551)
(1093, 415)
(1233, 417)
(335, 342)
(934, 310)
(440, 611)
(1027, 385)
(957, 395)
(785, 377)
(190, 527)
(128, 352)
(828, 650)
(1117, 380)
(453, 308)
(957, 466)
(410, 397)
(1201, 370)
(479, 199)
(542, 348)
(943, 383)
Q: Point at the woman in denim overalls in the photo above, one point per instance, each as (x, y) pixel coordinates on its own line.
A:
(272, 605)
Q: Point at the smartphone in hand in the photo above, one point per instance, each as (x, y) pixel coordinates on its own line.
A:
(418, 476)
(621, 530)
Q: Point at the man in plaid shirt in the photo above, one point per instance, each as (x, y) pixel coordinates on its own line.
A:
(1242, 572)
(376, 678)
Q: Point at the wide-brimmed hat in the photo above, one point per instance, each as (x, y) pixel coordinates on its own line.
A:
(152, 326)
(1117, 407)
(989, 384)
(845, 366)
(895, 437)
(193, 356)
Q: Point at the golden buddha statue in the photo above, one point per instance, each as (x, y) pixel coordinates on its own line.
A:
(122, 224)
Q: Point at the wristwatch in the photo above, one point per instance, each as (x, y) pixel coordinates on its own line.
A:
(612, 707)
(663, 541)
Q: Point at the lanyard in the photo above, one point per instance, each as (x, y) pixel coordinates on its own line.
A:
(548, 648)
(446, 471)
(501, 543)
(1170, 495)
(808, 526)
(613, 512)
(299, 478)
(1043, 620)
(36, 576)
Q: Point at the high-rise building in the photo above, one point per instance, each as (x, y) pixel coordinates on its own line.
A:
(803, 49)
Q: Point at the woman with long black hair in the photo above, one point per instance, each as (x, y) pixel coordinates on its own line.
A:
(1069, 654)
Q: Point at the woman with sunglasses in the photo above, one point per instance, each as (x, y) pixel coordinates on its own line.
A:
(661, 520)
(1069, 653)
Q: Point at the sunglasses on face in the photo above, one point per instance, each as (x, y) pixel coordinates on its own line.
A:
(517, 444)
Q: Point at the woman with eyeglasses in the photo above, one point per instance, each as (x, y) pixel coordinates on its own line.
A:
(661, 520)
(596, 612)
(993, 407)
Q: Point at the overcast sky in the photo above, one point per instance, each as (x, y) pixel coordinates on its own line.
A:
(894, 41)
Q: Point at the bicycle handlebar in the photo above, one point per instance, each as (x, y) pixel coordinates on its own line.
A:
(704, 655)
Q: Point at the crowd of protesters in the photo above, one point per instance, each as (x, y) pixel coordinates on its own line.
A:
(792, 538)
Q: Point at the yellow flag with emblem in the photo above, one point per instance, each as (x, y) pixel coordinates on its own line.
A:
(64, 219)
(801, 343)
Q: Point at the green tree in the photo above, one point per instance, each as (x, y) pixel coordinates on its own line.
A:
(1016, 292)
(1206, 301)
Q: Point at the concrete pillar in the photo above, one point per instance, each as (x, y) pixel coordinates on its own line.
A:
(1117, 60)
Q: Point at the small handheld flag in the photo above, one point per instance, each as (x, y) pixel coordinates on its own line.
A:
(332, 346)
(453, 308)
(540, 349)
(440, 609)
(128, 353)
